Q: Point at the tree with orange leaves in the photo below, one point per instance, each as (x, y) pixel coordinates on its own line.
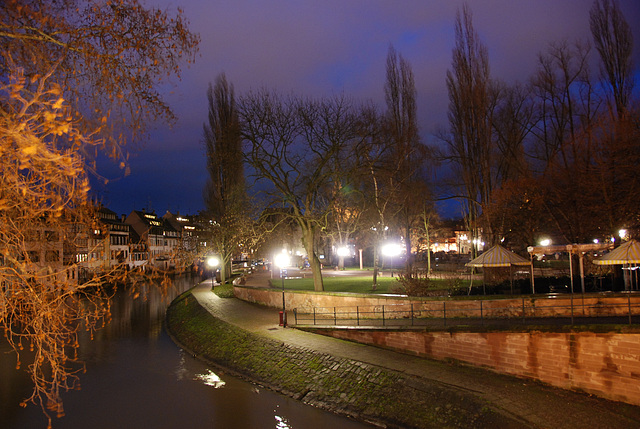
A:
(76, 77)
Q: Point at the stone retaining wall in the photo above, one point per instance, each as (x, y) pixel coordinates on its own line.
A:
(603, 364)
(606, 364)
(543, 306)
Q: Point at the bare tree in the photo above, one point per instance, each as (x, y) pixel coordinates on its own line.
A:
(374, 155)
(293, 144)
(565, 110)
(77, 77)
(409, 155)
(614, 42)
(617, 135)
(469, 144)
(511, 126)
(225, 193)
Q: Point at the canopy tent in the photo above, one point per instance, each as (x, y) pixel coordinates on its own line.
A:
(497, 256)
(625, 254)
(578, 249)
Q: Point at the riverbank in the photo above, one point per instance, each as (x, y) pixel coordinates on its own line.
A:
(361, 391)
(245, 339)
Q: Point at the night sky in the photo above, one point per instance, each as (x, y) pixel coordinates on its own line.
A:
(324, 47)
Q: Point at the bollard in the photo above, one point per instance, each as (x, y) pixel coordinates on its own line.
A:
(283, 319)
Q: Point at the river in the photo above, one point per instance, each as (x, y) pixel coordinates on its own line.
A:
(138, 378)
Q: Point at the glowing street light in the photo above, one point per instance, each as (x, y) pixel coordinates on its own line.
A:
(282, 261)
(391, 250)
(343, 251)
(545, 242)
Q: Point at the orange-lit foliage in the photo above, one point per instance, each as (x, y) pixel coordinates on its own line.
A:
(76, 77)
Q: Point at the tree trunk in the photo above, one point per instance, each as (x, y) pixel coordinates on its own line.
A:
(308, 238)
(409, 255)
(375, 266)
(223, 273)
(224, 270)
(426, 227)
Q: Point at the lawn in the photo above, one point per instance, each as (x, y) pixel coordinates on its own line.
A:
(355, 284)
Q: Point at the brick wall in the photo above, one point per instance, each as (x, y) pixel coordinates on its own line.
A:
(603, 364)
(539, 306)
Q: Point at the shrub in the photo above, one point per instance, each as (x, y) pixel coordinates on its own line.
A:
(415, 283)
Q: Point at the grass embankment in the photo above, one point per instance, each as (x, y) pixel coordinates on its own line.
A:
(340, 385)
(224, 291)
(363, 284)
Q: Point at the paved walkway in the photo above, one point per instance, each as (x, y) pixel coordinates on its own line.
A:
(538, 405)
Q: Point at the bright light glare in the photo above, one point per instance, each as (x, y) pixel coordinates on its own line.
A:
(391, 249)
(282, 260)
(343, 251)
(545, 242)
(622, 233)
(210, 378)
(212, 261)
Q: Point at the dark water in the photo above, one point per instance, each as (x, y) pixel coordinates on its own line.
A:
(138, 378)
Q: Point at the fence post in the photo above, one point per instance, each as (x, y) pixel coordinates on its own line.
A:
(444, 312)
(481, 315)
(314, 316)
(523, 315)
(358, 314)
(412, 314)
(629, 304)
(335, 320)
(295, 315)
(572, 307)
(383, 315)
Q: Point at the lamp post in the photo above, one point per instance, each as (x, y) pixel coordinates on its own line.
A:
(212, 262)
(282, 261)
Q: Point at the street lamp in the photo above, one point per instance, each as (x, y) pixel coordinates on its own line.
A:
(623, 234)
(212, 262)
(342, 252)
(282, 260)
(391, 250)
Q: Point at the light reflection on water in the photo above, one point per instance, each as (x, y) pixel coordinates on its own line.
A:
(210, 378)
(138, 378)
(281, 422)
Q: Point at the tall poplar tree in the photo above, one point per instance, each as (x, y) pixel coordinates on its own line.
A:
(408, 155)
(225, 193)
(469, 143)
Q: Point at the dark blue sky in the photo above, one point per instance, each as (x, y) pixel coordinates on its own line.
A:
(319, 48)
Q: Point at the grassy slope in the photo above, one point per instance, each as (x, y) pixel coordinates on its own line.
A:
(340, 385)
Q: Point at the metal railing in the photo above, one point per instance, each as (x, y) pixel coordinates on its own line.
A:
(477, 312)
